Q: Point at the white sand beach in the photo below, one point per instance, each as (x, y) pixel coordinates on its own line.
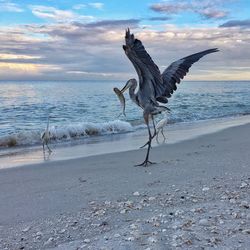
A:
(195, 197)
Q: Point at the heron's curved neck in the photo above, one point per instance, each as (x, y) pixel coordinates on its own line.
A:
(132, 93)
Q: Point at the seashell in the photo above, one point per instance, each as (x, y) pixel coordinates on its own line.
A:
(152, 239)
(203, 222)
(136, 193)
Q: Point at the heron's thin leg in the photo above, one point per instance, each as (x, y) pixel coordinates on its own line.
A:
(163, 135)
(157, 134)
(43, 147)
(146, 161)
(48, 147)
(149, 140)
(154, 127)
(149, 135)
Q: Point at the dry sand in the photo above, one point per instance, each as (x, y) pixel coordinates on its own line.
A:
(196, 197)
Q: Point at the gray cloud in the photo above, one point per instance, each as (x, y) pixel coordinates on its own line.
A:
(113, 23)
(212, 13)
(237, 23)
(169, 8)
(159, 18)
(75, 51)
(205, 9)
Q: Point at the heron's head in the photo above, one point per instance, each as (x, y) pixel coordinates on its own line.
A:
(131, 83)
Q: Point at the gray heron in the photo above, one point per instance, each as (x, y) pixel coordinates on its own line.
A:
(154, 87)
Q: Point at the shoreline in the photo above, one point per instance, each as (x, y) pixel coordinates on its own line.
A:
(196, 195)
(118, 142)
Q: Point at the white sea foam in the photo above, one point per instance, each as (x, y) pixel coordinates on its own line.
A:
(67, 133)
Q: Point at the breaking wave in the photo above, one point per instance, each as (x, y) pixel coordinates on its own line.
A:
(66, 133)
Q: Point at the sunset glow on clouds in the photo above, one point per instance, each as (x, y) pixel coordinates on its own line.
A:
(83, 40)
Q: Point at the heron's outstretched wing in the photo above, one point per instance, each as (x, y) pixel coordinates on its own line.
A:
(177, 70)
(143, 63)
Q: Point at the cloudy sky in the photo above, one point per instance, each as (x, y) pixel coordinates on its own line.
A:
(77, 39)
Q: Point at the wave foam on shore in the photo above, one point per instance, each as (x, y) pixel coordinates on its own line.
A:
(66, 133)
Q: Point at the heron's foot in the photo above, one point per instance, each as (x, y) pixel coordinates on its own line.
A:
(146, 163)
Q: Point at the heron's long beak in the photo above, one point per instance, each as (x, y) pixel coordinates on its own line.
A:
(125, 87)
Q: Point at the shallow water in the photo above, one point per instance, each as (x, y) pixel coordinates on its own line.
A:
(82, 109)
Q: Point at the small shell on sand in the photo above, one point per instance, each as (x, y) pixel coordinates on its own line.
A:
(123, 211)
(203, 222)
(136, 193)
(152, 239)
(130, 238)
(26, 229)
(243, 185)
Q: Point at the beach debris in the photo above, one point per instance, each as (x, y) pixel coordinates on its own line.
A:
(246, 231)
(204, 222)
(133, 226)
(38, 235)
(117, 235)
(106, 237)
(244, 204)
(178, 212)
(151, 198)
(138, 207)
(26, 229)
(136, 193)
(130, 238)
(123, 211)
(49, 241)
(152, 239)
(86, 240)
(232, 200)
(204, 189)
(121, 99)
(243, 185)
(81, 179)
(103, 223)
(62, 231)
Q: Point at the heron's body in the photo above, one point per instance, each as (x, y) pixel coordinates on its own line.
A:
(46, 137)
(154, 87)
(160, 128)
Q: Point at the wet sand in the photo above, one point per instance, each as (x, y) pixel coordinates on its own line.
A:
(195, 197)
(98, 145)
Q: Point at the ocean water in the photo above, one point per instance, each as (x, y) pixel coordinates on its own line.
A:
(84, 109)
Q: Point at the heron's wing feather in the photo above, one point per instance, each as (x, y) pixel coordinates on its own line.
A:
(178, 69)
(143, 63)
